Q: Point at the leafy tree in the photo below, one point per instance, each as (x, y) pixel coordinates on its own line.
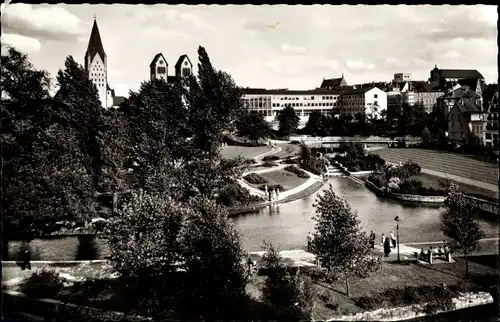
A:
(251, 124)
(338, 241)
(288, 121)
(459, 223)
(78, 108)
(214, 261)
(290, 295)
(44, 179)
(214, 102)
(314, 123)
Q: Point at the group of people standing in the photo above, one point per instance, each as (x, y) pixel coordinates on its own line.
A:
(272, 194)
(387, 242)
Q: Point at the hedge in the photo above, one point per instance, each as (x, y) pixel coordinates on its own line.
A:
(300, 173)
(255, 178)
(272, 187)
(270, 158)
(269, 164)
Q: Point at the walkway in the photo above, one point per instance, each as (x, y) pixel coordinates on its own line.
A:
(283, 195)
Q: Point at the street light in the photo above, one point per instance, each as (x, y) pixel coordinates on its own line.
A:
(397, 219)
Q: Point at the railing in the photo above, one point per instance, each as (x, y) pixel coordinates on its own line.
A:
(349, 139)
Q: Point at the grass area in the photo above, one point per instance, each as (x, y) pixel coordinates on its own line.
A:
(247, 152)
(393, 276)
(288, 150)
(285, 178)
(446, 162)
(430, 181)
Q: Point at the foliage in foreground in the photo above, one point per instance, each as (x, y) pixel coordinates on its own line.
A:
(338, 241)
(154, 241)
(42, 283)
(288, 293)
(435, 297)
(460, 224)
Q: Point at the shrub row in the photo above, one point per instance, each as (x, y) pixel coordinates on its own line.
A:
(270, 158)
(235, 195)
(369, 162)
(436, 297)
(272, 187)
(269, 164)
(255, 178)
(300, 173)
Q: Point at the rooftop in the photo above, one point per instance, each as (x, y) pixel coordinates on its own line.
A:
(459, 73)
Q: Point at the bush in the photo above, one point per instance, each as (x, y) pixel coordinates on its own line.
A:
(272, 187)
(43, 283)
(270, 158)
(437, 297)
(255, 178)
(410, 186)
(235, 195)
(378, 180)
(269, 164)
(289, 160)
(300, 173)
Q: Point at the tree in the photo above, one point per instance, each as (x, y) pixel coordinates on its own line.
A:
(338, 241)
(214, 261)
(288, 121)
(251, 124)
(314, 124)
(459, 223)
(214, 102)
(287, 293)
(77, 107)
(44, 179)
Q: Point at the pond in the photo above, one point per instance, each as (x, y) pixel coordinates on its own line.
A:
(286, 225)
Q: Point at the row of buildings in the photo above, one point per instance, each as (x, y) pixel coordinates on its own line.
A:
(460, 96)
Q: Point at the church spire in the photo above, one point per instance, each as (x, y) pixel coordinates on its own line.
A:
(95, 45)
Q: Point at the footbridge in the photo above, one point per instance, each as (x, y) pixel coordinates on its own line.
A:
(334, 141)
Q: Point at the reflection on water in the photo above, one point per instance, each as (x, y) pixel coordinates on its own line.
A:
(285, 225)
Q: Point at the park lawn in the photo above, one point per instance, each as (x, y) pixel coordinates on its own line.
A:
(445, 162)
(391, 276)
(287, 150)
(285, 178)
(430, 181)
(246, 152)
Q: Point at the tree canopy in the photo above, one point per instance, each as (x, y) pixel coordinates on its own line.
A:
(460, 224)
(288, 120)
(251, 124)
(338, 241)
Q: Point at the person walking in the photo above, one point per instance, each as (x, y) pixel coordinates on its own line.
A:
(383, 239)
(26, 260)
(372, 239)
(387, 247)
(393, 240)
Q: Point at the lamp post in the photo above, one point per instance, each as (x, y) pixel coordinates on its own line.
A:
(397, 219)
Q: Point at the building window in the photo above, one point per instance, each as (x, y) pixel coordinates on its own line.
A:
(375, 96)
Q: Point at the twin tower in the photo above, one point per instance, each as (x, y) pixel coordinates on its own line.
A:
(96, 66)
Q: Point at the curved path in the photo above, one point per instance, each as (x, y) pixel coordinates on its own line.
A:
(283, 195)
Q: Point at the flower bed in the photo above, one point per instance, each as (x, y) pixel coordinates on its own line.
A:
(300, 173)
(255, 178)
(368, 162)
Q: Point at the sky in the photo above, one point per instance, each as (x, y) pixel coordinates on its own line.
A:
(263, 46)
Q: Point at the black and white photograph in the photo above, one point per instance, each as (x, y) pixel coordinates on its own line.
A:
(244, 162)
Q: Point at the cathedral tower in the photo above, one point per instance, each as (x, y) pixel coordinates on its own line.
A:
(96, 65)
(159, 68)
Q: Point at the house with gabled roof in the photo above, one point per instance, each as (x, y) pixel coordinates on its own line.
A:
(333, 83)
(466, 118)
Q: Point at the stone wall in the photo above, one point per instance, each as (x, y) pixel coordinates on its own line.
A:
(50, 309)
(405, 197)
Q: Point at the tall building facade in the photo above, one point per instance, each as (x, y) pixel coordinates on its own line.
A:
(96, 65)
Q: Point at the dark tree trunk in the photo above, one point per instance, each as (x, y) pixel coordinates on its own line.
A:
(347, 287)
(466, 265)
